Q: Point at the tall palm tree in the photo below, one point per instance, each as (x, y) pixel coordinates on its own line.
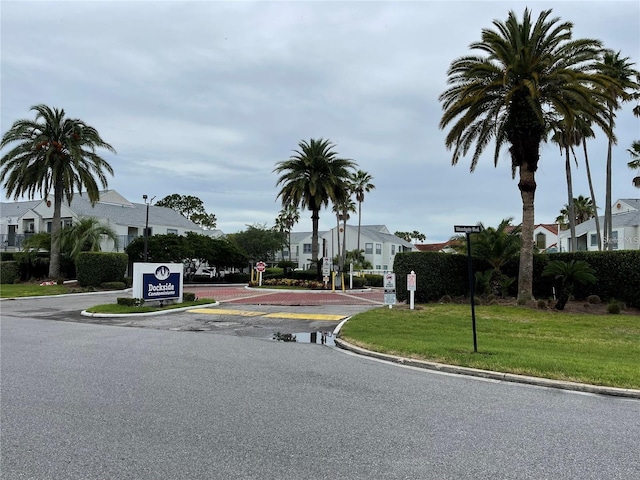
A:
(361, 184)
(621, 89)
(634, 151)
(85, 235)
(529, 68)
(346, 207)
(53, 153)
(311, 177)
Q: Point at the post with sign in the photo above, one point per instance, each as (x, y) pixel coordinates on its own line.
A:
(468, 230)
(389, 283)
(411, 287)
(326, 268)
(260, 267)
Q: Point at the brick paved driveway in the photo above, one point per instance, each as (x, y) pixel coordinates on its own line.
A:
(242, 295)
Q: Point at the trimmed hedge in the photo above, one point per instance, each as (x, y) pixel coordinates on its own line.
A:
(439, 274)
(96, 268)
(9, 271)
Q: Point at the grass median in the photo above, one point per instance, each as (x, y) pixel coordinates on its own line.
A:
(593, 349)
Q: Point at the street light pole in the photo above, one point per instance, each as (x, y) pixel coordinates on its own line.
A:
(146, 228)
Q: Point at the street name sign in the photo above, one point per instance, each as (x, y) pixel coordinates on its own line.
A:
(467, 228)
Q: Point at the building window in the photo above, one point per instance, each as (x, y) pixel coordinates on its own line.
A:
(385, 267)
(393, 249)
(594, 240)
(368, 248)
(285, 253)
(378, 249)
(172, 230)
(378, 267)
(541, 241)
(306, 248)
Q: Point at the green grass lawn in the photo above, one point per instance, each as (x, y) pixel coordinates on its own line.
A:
(14, 290)
(594, 349)
(115, 308)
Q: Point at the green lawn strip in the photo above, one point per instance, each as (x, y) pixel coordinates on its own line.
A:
(15, 290)
(594, 349)
(115, 308)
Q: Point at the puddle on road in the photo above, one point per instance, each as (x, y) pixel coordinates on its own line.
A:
(320, 338)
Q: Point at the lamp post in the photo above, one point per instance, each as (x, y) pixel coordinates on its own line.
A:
(146, 228)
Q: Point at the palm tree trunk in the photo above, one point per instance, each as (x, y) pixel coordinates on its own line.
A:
(359, 222)
(572, 210)
(54, 255)
(344, 241)
(338, 234)
(608, 228)
(527, 186)
(593, 196)
(315, 217)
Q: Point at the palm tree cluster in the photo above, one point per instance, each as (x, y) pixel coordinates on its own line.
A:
(583, 210)
(529, 81)
(53, 153)
(315, 176)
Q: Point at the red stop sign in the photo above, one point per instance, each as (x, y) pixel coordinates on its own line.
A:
(261, 266)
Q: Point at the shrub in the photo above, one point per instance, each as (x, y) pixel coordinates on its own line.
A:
(373, 280)
(358, 282)
(594, 299)
(9, 272)
(130, 302)
(188, 297)
(445, 299)
(542, 305)
(96, 268)
(113, 285)
(613, 308)
(237, 278)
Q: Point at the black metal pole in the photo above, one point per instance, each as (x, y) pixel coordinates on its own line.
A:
(146, 235)
(472, 293)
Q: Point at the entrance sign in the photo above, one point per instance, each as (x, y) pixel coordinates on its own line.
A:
(158, 281)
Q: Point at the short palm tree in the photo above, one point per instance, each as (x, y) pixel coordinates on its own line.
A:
(85, 235)
(567, 274)
(583, 210)
(53, 154)
(287, 218)
(621, 88)
(361, 184)
(529, 68)
(343, 210)
(312, 177)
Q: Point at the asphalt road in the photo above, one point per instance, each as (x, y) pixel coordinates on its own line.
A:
(87, 401)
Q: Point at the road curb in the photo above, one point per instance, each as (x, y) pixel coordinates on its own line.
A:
(506, 377)
(146, 314)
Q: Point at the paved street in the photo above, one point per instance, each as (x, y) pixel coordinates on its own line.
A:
(88, 401)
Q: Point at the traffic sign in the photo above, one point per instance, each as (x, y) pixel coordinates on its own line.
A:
(389, 281)
(411, 282)
(467, 228)
(261, 266)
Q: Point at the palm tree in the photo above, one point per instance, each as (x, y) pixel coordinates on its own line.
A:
(583, 210)
(85, 235)
(347, 206)
(529, 69)
(311, 178)
(54, 153)
(585, 130)
(361, 184)
(634, 151)
(621, 88)
(287, 218)
(567, 274)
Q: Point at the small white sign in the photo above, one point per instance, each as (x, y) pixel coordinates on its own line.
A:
(389, 281)
(411, 282)
(389, 298)
(325, 266)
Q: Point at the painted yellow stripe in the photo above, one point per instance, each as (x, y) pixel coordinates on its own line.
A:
(217, 311)
(306, 316)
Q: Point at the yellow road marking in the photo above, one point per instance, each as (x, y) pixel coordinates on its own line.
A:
(306, 316)
(216, 311)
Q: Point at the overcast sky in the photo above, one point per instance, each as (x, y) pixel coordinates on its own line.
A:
(204, 98)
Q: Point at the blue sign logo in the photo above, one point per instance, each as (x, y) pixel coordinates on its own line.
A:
(161, 285)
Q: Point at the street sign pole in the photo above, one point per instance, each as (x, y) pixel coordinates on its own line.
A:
(468, 230)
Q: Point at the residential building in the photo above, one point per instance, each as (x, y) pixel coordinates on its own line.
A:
(625, 220)
(379, 245)
(18, 220)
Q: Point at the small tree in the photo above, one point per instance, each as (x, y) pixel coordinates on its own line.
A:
(567, 274)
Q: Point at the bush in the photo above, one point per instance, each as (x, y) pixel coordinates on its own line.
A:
(373, 280)
(594, 299)
(237, 278)
(188, 297)
(96, 268)
(113, 285)
(358, 282)
(613, 308)
(9, 272)
(542, 304)
(130, 302)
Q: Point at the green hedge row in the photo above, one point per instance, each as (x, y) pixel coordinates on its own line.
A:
(9, 271)
(96, 268)
(439, 274)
